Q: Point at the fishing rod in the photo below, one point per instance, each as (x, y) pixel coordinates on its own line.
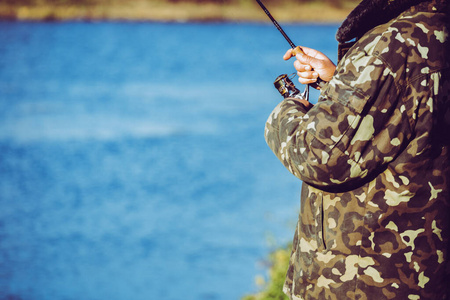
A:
(296, 50)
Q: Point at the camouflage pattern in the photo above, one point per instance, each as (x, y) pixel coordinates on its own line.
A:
(374, 158)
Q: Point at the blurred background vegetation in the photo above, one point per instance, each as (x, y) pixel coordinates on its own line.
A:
(176, 10)
(272, 289)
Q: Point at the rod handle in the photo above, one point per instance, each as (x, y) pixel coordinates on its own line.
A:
(297, 50)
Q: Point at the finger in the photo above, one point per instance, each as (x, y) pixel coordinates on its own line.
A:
(306, 81)
(307, 77)
(288, 54)
(305, 59)
(301, 67)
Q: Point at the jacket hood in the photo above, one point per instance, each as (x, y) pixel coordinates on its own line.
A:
(371, 13)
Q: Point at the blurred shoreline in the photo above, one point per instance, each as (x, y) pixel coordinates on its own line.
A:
(163, 11)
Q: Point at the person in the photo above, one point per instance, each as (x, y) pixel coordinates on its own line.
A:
(373, 156)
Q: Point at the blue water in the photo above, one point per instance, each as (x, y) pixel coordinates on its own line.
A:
(132, 158)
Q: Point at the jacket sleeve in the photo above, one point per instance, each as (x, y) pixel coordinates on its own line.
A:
(358, 125)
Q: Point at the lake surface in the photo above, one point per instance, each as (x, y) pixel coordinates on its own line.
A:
(132, 158)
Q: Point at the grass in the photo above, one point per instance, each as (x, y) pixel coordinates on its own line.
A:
(179, 11)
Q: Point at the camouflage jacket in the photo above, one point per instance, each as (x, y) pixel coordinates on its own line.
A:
(374, 158)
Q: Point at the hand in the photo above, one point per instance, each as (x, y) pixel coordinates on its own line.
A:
(311, 65)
